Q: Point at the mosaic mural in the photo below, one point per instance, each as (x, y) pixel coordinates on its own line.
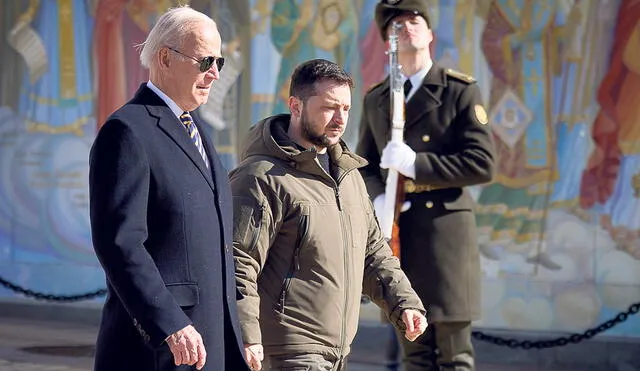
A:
(559, 228)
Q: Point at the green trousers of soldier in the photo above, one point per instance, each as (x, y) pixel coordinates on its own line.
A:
(445, 346)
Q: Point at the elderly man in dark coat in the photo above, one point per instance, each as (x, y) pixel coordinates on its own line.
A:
(161, 214)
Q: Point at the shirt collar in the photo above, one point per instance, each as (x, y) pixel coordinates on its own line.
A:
(417, 78)
(174, 107)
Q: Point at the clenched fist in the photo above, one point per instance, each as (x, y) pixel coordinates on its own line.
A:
(415, 322)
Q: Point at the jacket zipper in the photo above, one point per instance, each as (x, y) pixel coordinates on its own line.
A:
(303, 230)
(345, 251)
(336, 187)
(346, 261)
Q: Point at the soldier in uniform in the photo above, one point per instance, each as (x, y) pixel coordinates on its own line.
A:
(448, 146)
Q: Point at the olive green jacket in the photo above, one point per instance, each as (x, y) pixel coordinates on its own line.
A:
(307, 246)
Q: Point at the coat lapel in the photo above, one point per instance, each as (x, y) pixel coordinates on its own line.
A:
(384, 99)
(425, 99)
(171, 126)
(384, 108)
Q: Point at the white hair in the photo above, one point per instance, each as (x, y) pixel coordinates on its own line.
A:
(172, 27)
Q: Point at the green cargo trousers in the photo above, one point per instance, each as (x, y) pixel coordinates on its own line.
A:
(303, 362)
(445, 346)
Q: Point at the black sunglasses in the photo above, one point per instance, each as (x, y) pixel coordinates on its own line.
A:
(206, 62)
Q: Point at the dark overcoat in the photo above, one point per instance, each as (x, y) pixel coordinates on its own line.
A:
(447, 127)
(161, 224)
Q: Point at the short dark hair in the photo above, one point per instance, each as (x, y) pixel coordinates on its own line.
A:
(309, 73)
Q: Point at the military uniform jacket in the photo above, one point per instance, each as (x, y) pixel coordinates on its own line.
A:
(447, 127)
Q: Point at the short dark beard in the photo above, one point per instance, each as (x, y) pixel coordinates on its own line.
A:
(317, 140)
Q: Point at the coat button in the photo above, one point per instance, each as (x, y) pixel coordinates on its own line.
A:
(426, 138)
(429, 204)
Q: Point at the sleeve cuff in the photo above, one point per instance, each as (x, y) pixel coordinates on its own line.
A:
(251, 333)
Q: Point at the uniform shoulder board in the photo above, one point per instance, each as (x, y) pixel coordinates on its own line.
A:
(372, 87)
(460, 76)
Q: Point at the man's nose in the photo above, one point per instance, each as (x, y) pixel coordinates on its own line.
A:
(341, 116)
(213, 72)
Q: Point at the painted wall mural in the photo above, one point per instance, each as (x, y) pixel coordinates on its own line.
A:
(559, 228)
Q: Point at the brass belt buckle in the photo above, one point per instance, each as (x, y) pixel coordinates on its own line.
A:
(409, 186)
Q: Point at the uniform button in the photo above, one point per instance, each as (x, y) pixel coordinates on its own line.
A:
(426, 138)
(429, 204)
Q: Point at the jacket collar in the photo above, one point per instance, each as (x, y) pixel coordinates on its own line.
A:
(275, 142)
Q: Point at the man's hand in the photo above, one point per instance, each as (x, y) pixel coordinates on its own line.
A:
(415, 322)
(378, 205)
(400, 157)
(254, 355)
(187, 348)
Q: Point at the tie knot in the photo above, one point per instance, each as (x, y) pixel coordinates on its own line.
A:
(186, 118)
(407, 87)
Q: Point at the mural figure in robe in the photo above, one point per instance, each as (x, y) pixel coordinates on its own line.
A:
(611, 182)
(520, 43)
(56, 95)
(584, 58)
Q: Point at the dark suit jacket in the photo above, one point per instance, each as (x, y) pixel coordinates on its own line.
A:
(161, 224)
(447, 128)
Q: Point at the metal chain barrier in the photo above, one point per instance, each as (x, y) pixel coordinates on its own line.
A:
(49, 297)
(478, 335)
(560, 341)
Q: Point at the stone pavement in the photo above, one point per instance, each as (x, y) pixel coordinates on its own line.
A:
(27, 344)
(19, 366)
(45, 345)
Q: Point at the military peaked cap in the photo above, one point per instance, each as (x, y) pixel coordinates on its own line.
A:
(386, 10)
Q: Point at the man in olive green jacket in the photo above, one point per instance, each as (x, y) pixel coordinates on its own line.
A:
(306, 240)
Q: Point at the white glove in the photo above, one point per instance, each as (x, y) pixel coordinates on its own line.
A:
(400, 157)
(378, 205)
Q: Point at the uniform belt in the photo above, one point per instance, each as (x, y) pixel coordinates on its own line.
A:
(411, 187)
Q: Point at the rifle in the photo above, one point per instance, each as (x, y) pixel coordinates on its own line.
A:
(394, 190)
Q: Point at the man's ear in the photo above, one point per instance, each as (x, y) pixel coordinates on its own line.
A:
(295, 106)
(164, 60)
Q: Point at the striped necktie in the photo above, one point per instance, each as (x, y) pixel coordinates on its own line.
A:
(187, 121)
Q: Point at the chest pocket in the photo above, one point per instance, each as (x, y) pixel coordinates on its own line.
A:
(358, 226)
